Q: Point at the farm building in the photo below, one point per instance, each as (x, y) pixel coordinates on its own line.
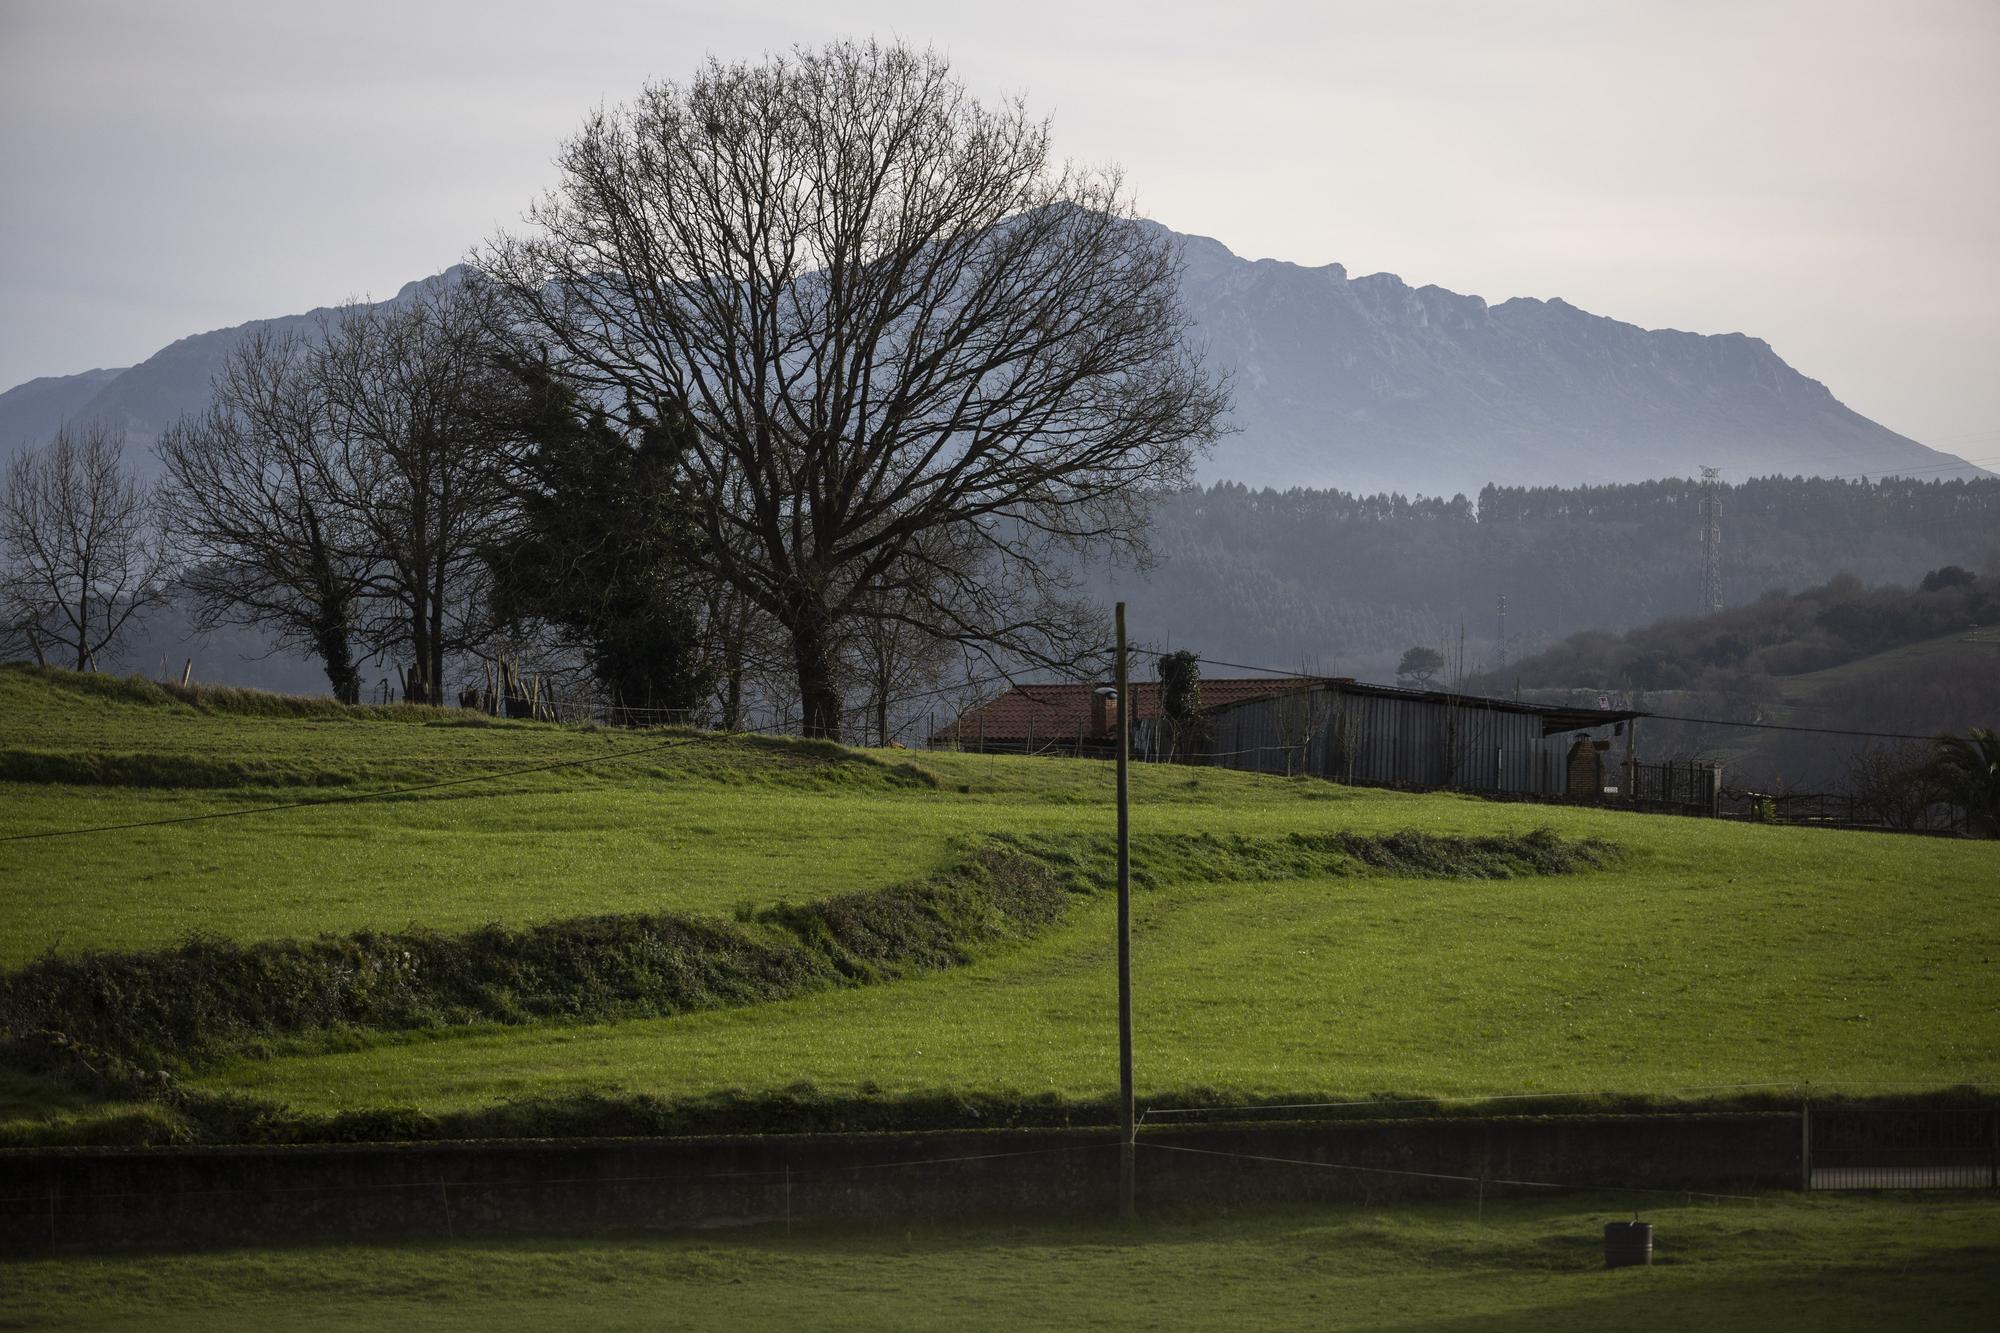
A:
(1082, 719)
(1331, 727)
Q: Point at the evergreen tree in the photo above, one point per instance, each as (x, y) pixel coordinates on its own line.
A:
(599, 549)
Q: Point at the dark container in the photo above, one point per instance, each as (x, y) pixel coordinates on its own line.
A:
(1627, 1244)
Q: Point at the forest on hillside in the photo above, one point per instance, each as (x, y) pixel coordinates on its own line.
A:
(1779, 634)
(1900, 661)
(1342, 583)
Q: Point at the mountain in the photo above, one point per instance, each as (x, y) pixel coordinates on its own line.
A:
(1368, 384)
(145, 399)
(31, 412)
(1364, 384)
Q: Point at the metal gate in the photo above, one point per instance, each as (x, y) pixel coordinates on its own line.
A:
(1854, 1148)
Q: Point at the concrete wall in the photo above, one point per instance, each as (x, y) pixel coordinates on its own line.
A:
(93, 1198)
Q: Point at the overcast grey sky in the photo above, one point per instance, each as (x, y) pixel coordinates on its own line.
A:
(1818, 173)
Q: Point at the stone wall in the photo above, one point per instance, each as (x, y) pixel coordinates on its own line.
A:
(93, 1198)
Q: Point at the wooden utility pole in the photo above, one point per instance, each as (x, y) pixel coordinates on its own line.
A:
(1128, 1145)
(1632, 760)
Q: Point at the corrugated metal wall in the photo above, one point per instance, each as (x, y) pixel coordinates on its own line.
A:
(1386, 741)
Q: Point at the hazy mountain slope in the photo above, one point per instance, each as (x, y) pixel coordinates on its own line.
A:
(1365, 384)
(30, 413)
(148, 397)
(1370, 384)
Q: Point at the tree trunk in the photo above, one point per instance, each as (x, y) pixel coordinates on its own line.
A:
(339, 663)
(882, 718)
(732, 693)
(83, 626)
(819, 690)
(434, 668)
(336, 652)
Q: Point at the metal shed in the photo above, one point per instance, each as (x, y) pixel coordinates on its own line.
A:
(1382, 735)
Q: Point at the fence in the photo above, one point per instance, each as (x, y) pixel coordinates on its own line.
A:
(75, 1198)
(1833, 810)
(1678, 786)
(1873, 1148)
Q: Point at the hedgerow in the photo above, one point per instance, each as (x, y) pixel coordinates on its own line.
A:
(172, 1009)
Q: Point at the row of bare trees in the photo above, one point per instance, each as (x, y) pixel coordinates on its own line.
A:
(817, 360)
(341, 490)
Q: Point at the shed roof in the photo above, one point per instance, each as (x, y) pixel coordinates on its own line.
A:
(1059, 711)
(1062, 710)
(1556, 718)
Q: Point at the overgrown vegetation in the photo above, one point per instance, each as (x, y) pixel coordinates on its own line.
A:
(188, 1114)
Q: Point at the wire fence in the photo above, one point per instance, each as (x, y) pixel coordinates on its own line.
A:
(1837, 810)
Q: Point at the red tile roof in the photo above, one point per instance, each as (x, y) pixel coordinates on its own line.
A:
(1062, 712)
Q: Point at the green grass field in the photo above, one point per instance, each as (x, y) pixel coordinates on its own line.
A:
(1829, 1263)
(1709, 954)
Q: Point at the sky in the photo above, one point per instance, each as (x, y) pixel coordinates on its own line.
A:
(1817, 173)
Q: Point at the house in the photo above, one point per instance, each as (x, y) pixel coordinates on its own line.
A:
(1331, 727)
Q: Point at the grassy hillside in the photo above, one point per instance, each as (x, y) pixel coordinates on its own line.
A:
(730, 922)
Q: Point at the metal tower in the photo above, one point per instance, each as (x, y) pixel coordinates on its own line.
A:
(1711, 540)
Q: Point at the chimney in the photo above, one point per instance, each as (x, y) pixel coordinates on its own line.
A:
(1103, 710)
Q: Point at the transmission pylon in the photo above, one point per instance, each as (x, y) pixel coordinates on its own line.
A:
(1711, 540)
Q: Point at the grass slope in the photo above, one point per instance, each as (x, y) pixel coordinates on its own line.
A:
(1601, 981)
(1832, 1263)
(1709, 953)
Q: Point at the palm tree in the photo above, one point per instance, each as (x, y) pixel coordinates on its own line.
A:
(1969, 768)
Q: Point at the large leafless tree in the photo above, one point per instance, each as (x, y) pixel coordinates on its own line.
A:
(887, 313)
(258, 508)
(82, 550)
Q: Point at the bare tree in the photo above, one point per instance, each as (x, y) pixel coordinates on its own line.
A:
(83, 551)
(419, 407)
(349, 485)
(1897, 783)
(739, 641)
(896, 655)
(887, 315)
(256, 503)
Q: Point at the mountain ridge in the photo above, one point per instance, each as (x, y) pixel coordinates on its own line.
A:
(1371, 384)
(1364, 383)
